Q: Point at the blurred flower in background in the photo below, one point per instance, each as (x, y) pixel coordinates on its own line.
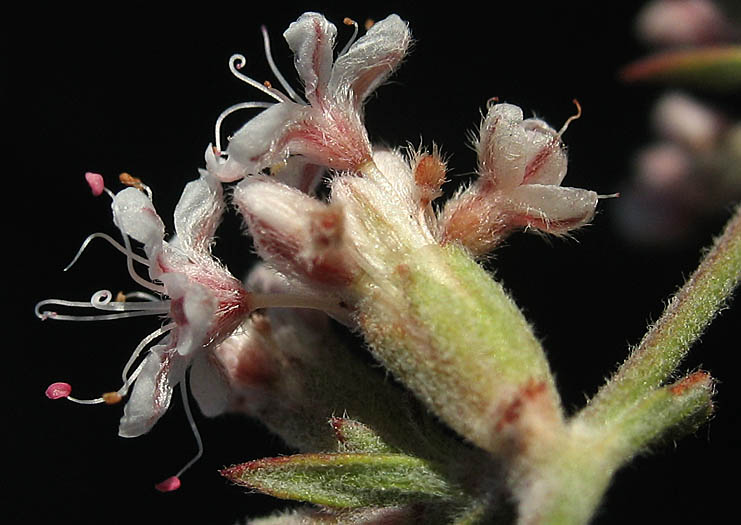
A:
(692, 170)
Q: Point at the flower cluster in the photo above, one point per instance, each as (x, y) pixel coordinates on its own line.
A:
(333, 255)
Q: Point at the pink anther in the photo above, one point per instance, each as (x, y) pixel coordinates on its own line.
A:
(58, 390)
(95, 181)
(168, 485)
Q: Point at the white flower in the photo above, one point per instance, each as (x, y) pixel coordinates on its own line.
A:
(327, 128)
(521, 165)
(203, 301)
(206, 302)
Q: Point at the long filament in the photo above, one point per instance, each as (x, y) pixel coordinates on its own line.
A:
(350, 22)
(228, 111)
(283, 82)
(193, 427)
(130, 267)
(128, 380)
(112, 242)
(570, 119)
(123, 309)
(236, 62)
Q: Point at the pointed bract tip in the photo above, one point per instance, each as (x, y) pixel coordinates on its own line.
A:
(95, 181)
(58, 390)
(169, 485)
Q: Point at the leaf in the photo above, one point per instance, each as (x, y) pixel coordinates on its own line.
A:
(354, 436)
(710, 67)
(344, 480)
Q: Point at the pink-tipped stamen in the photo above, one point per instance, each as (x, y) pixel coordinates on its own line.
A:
(58, 390)
(170, 484)
(173, 482)
(62, 390)
(95, 181)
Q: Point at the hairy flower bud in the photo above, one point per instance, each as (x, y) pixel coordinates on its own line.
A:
(297, 234)
(521, 165)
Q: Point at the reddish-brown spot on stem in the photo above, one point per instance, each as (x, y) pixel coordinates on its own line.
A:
(688, 382)
(527, 394)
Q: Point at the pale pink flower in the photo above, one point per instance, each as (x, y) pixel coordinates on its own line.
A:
(327, 128)
(522, 163)
(203, 301)
(683, 23)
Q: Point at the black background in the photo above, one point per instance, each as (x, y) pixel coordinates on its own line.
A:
(136, 88)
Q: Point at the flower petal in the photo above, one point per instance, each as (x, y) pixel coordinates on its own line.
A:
(371, 59)
(198, 214)
(193, 308)
(134, 214)
(161, 371)
(546, 160)
(208, 385)
(503, 147)
(552, 209)
(311, 38)
(260, 143)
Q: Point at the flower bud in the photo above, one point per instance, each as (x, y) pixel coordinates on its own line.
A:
(521, 165)
(297, 234)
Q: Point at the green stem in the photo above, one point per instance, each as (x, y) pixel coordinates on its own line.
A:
(668, 341)
(569, 486)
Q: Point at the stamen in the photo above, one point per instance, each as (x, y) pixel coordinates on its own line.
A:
(127, 381)
(96, 401)
(95, 181)
(132, 273)
(369, 22)
(130, 180)
(58, 390)
(112, 398)
(173, 482)
(228, 111)
(112, 242)
(283, 82)
(130, 255)
(237, 62)
(101, 300)
(169, 485)
(570, 119)
(62, 390)
(350, 22)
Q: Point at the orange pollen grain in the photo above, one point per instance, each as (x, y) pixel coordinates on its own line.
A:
(130, 180)
(111, 398)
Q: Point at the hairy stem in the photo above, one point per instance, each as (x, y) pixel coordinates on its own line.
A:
(667, 342)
